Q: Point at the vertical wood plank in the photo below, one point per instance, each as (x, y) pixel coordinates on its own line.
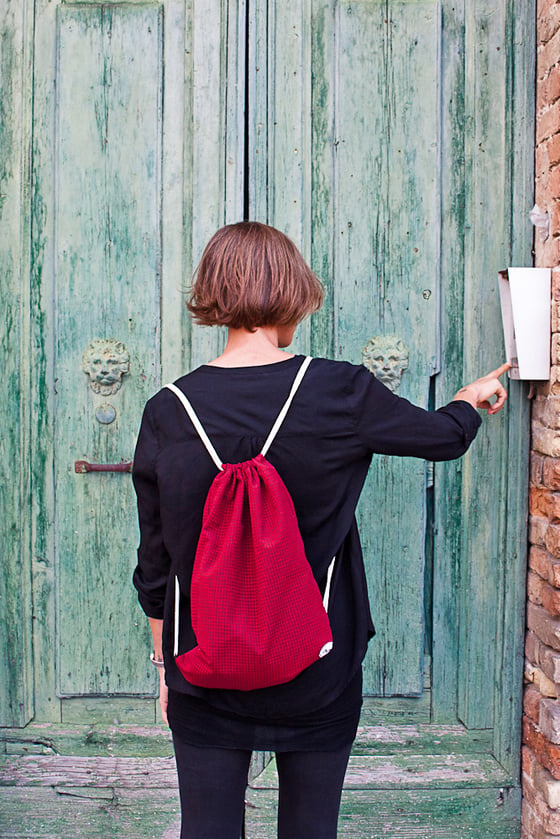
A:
(175, 267)
(503, 615)
(259, 133)
(16, 674)
(236, 102)
(386, 269)
(323, 152)
(217, 32)
(521, 44)
(486, 246)
(289, 93)
(280, 154)
(448, 476)
(107, 275)
(42, 361)
(204, 157)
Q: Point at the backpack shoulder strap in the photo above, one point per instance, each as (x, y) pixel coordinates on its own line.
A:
(273, 432)
(282, 415)
(197, 424)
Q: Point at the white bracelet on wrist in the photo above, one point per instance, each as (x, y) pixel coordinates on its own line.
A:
(156, 661)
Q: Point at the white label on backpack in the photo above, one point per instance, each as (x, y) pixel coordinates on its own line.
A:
(326, 649)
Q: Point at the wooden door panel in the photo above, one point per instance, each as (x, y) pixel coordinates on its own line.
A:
(16, 621)
(137, 160)
(386, 197)
(371, 71)
(364, 202)
(107, 270)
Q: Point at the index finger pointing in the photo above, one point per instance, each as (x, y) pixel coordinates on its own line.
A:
(500, 370)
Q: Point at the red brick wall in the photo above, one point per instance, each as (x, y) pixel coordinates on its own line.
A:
(541, 721)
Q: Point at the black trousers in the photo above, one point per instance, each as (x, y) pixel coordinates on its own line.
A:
(212, 785)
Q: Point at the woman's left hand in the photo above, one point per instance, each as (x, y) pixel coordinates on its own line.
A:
(479, 392)
(163, 695)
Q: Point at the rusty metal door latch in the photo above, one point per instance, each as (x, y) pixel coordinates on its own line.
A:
(81, 466)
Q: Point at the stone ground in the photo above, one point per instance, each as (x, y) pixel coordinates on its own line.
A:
(401, 795)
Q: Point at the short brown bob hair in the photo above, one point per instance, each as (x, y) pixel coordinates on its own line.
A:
(252, 275)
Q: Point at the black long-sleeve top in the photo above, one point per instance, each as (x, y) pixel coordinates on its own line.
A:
(340, 417)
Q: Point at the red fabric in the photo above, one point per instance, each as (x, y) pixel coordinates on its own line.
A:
(257, 611)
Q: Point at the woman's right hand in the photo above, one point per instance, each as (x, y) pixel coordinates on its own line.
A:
(480, 392)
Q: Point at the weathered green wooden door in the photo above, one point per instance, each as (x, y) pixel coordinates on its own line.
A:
(392, 139)
(137, 151)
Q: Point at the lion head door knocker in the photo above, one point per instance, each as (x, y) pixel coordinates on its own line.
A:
(105, 362)
(386, 356)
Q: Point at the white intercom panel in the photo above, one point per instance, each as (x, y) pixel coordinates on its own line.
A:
(526, 304)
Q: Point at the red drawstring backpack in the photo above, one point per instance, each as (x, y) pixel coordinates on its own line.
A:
(257, 612)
